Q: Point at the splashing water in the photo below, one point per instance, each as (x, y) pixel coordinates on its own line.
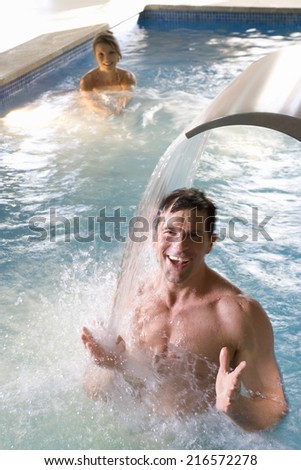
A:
(176, 169)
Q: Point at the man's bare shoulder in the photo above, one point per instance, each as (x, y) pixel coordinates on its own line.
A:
(234, 303)
(239, 303)
(243, 320)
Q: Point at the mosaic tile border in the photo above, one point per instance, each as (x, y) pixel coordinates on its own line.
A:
(241, 17)
(19, 84)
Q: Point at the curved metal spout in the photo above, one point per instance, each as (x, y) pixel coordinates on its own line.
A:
(266, 94)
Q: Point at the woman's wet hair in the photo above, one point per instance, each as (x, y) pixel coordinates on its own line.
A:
(107, 37)
(190, 199)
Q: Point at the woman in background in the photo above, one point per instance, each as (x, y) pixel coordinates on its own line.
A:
(107, 77)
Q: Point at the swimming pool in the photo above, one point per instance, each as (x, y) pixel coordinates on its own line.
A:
(63, 165)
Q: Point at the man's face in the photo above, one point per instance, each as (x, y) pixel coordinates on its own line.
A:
(182, 244)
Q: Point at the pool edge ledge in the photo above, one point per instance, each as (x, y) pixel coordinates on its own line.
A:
(31, 55)
(224, 8)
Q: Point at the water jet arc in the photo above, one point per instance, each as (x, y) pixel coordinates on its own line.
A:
(267, 94)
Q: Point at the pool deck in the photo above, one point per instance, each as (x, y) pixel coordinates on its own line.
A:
(65, 29)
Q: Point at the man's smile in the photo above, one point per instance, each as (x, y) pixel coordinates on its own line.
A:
(178, 260)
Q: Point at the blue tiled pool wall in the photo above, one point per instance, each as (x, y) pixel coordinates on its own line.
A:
(13, 88)
(168, 18)
(10, 94)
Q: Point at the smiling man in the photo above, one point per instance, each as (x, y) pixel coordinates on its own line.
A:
(208, 343)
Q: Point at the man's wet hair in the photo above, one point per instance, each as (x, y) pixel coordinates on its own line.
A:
(191, 199)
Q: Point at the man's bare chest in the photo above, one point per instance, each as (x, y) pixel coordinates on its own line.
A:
(191, 329)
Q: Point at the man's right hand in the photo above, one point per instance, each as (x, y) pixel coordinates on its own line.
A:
(101, 356)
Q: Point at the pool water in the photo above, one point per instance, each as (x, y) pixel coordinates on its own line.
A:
(62, 165)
